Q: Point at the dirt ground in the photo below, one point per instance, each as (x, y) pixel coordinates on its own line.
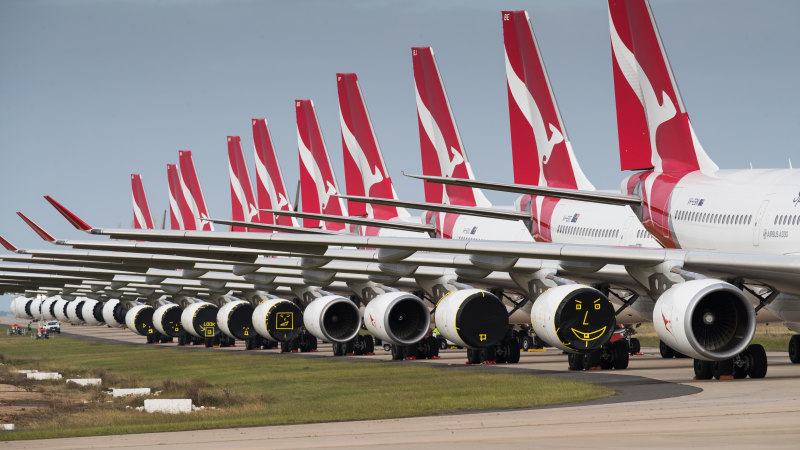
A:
(16, 402)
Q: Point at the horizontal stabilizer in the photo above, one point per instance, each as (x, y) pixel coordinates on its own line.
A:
(466, 210)
(571, 194)
(393, 224)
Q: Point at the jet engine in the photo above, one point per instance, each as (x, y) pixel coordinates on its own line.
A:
(48, 306)
(92, 312)
(573, 317)
(397, 317)
(277, 319)
(140, 319)
(167, 319)
(705, 319)
(471, 318)
(235, 319)
(60, 310)
(332, 318)
(200, 320)
(36, 308)
(74, 311)
(114, 313)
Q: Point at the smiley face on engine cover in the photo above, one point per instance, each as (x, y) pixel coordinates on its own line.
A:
(585, 320)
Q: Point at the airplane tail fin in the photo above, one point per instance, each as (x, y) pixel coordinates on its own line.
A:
(192, 191)
(270, 187)
(317, 180)
(442, 151)
(142, 219)
(541, 150)
(177, 204)
(365, 171)
(653, 126)
(243, 202)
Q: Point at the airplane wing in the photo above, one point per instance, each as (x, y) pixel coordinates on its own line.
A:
(571, 194)
(468, 210)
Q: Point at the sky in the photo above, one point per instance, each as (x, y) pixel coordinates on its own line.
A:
(94, 90)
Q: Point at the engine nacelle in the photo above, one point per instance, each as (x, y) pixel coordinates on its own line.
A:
(20, 307)
(200, 320)
(397, 317)
(471, 318)
(140, 319)
(332, 318)
(167, 319)
(92, 312)
(114, 313)
(235, 319)
(74, 313)
(573, 317)
(705, 319)
(277, 319)
(48, 305)
(60, 310)
(36, 308)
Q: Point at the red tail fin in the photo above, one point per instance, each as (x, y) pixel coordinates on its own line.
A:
(243, 203)
(141, 210)
(654, 129)
(270, 187)
(192, 191)
(364, 168)
(178, 207)
(317, 181)
(542, 153)
(442, 151)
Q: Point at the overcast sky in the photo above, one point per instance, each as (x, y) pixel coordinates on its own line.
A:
(91, 90)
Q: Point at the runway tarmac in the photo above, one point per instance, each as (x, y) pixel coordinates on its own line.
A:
(658, 406)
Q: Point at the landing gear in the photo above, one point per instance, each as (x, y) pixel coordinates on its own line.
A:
(305, 342)
(752, 362)
(614, 355)
(636, 346)
(794, 349)
(667, 352)
(426, 348)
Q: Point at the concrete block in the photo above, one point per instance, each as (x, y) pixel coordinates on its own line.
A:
(44, 376)
(168, 405)
(122, 392)
(6, 427)
(27, 371)
(85, 381)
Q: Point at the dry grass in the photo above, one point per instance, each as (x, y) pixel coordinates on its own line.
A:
(250, 390)
(773, 336)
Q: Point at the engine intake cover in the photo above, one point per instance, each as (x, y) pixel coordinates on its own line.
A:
(277, 319)
(235, 319)
(200, 320)
(397, 317)
(471, 318)
(705, 319)
(140, 319)
(573, 317)
(167, 319)
(92, 312)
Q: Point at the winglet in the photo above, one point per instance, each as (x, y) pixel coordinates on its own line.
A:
(7, 245)
(39, 230)
(71, 218)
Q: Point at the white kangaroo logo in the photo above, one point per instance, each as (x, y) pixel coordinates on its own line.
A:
(368, 177)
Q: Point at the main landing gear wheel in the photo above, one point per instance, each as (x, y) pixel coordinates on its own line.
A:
(474, 356)
(703, 370)
(527, 343)
(758, 360)
(622, 354)
(665, 350)
(794, 349)
(398, 352)
(636, 346)
(575, 361)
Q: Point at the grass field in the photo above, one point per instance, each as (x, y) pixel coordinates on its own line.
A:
(250, 390)
(774, 337)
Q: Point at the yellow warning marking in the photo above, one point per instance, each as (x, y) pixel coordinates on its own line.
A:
(284, 320)
(590, 336)
(209, 331)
